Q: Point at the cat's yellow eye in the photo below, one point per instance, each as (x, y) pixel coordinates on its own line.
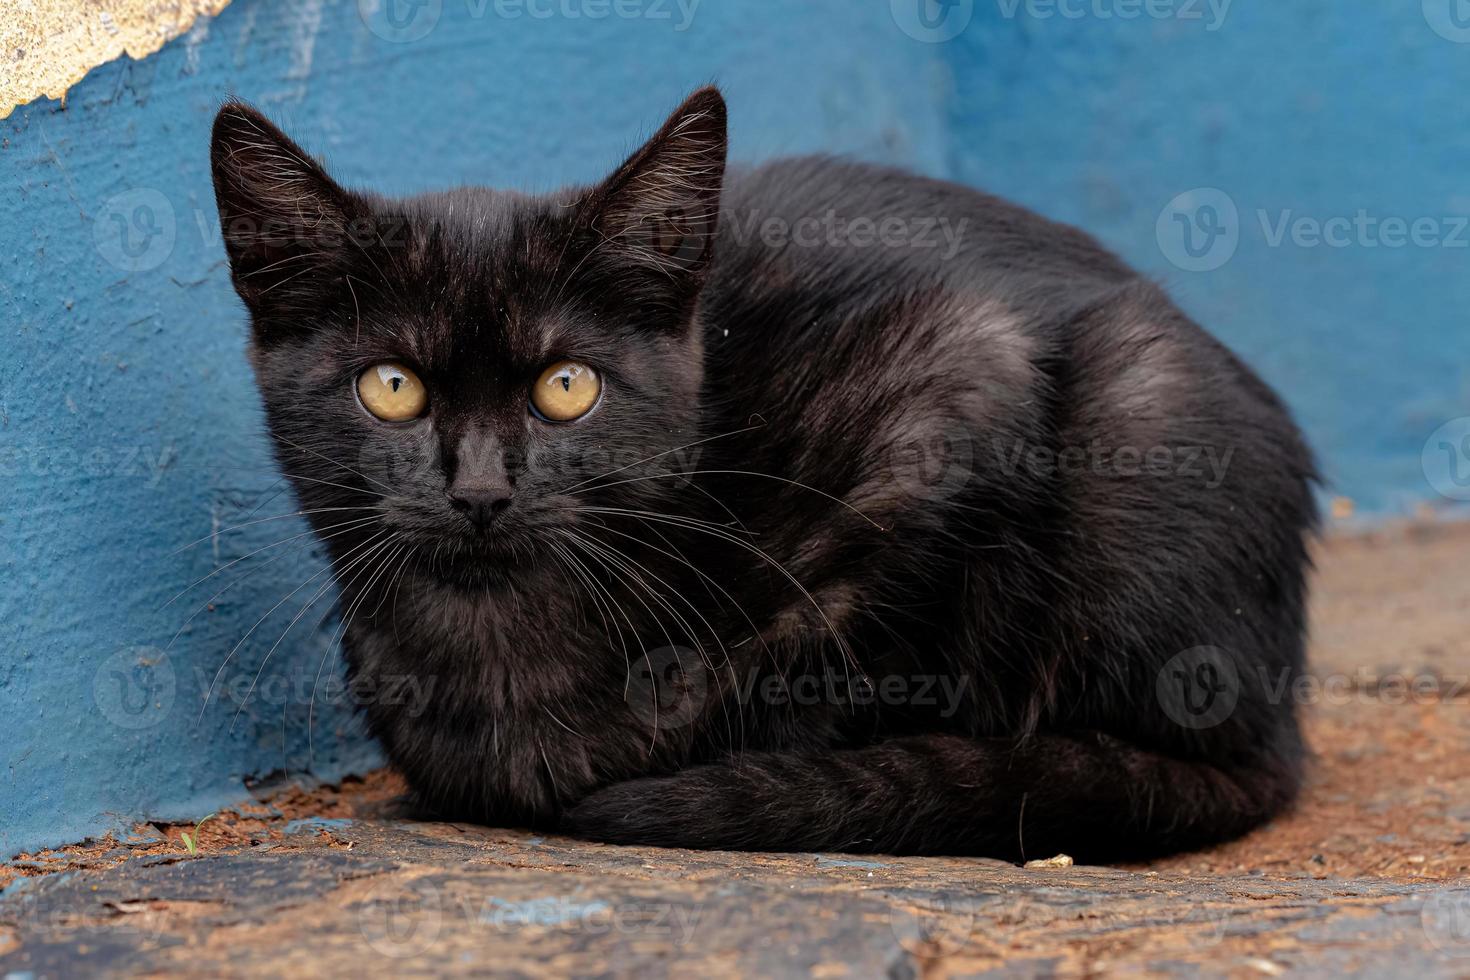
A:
(392, 392)
(565, 391)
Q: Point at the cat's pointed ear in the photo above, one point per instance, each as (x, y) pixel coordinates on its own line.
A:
(663, 205)
(284, 220)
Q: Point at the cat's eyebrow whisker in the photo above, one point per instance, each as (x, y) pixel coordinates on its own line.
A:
(666, 452)
(282, 282)
(294, 257)
(578, 268)
(308, 449)
(264, 520)
(377, 284)
(562, 255)
(356, 310)
(210, 692)
(764, 476)
(355, 522)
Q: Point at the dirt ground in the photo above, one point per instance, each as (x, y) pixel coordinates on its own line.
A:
(1387, 805)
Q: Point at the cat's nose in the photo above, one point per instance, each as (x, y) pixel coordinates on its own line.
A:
(481, 506)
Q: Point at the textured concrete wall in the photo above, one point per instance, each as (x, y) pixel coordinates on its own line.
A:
(129, 425)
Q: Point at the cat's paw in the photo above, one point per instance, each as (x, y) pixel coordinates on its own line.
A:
(693, 808)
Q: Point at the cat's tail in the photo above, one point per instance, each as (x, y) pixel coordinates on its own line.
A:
(1087, 795)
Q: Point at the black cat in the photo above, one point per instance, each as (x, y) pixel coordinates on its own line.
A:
(825, 507)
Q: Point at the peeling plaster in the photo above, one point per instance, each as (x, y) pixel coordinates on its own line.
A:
(47, 46)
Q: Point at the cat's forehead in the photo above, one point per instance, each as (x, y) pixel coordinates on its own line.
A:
(485, 325)
(484, 275)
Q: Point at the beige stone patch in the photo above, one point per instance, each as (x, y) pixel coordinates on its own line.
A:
(47, 46)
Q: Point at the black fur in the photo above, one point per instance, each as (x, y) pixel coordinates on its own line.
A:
(971, 507)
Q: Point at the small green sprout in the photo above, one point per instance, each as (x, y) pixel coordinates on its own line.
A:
(191, 841)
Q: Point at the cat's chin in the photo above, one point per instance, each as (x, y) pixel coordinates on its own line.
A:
(484, 569)
(487, 578)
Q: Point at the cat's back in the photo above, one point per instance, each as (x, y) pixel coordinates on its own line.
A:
(844, 228)
(949, 303)
(856, 274)
(820, 254)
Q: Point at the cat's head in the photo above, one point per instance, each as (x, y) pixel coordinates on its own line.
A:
(461, 371)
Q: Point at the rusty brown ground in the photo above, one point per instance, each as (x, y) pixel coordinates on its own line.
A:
(1369, 876)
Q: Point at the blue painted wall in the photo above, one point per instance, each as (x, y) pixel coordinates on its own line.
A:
(1293, 113)
(129, 426)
